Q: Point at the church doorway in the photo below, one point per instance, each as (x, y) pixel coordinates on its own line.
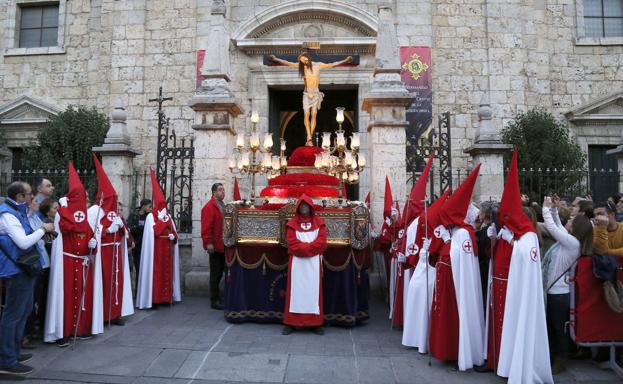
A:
(286, 116)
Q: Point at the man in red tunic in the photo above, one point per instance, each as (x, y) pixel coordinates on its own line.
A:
(160, 268)
(113, 251)
(212, 237)
(307, 240)
(75, 290)
(450, 332)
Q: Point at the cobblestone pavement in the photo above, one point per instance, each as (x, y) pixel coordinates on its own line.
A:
(191, 343)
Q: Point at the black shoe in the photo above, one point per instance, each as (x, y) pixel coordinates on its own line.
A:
(27, 344)
(62, 342)
(217, 305)
(118, 321)
(287, 330)
(482, 368)
(24, 357)
(318, 330)
(17, 369)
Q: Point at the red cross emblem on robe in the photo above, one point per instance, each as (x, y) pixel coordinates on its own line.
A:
(401, 233)
(437, 233)
(79, 216)
(467, 246)
(533, 254)
(413, 249)
(305, 226)
(111, 216)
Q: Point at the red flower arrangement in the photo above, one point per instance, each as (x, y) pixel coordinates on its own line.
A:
(304, 156)
(304, 179)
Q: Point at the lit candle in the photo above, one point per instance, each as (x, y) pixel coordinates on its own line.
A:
(245, 159)
(266, 161)
(317, 161)
(240, 163)
(326, 140)
(254, 140)
(276, 163)
(240, 140)
(355, 177)
(284, 162)
(255, 117)
(344, 176)
(232, 162)
(268, 142)
(283, 144)
(354, 141)
(340, 140)
(361, 160)
(348, 158)
(339, 117)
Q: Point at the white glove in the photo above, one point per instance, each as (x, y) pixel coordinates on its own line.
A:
(424, 253)
(92, 243)
(117, 224)
(402, 258)
(442, 233)
(171, 237)
(62, 202)
(506, 235)
(425, 244)
(492, 233)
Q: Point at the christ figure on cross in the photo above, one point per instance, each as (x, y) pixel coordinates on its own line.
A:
(312, 97)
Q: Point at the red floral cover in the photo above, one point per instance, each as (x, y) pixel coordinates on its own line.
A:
(304, 156)
(297, 191)
(302, 179)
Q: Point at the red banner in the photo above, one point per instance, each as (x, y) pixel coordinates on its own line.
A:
(416, 74)
(199, 77)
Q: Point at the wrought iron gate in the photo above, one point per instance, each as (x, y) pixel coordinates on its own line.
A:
(436, 141)
(174, 169)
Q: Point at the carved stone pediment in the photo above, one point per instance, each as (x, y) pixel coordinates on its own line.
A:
(338, 27)
(604, 111)
(22, 118)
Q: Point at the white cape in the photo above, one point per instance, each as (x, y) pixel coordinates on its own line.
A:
(146, 273)
(305, 279)
(466, 276)
(524, 350)
(418, 300)
(53, 329)
(127, 302)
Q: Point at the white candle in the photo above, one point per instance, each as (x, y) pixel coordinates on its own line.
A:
(354, 141)
(240, 140)
(340, 141)
(283, 144)
(339, 117)
(255, 117)
(326, 140)
(361, 160)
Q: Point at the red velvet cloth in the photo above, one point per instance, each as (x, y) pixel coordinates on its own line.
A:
(304, 179)
(112, 274)
(595, 321)
(212, 226)
(297, 191)
(73, 268)
(304, 156)
(444, 329)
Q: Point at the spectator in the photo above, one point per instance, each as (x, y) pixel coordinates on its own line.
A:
(45, 189)
(212, 236)
(17, 238)
(488, 212)
(619, 205)
(571, 242)
(136, 224)
(185, 216)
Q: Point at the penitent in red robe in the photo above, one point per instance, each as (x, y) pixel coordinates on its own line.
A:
(304, 227)
(501, 265)
(112, 271)
(163, 262)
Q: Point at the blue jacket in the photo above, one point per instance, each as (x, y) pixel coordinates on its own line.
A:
(8, 248)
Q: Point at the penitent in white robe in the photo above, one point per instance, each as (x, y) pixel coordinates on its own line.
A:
(524, 350)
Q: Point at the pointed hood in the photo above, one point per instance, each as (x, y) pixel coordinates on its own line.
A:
(415, 203)
(106, 193)
(74, 215)
(305, 223)
(387, 203)
(433, 221)
(367, 200)
(157, 198)
(236, 190)
(510, 213)
(455, 209)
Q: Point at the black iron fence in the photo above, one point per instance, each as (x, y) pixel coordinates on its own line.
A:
(58, 177)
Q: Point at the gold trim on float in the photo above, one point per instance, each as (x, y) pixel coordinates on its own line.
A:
(258, 240)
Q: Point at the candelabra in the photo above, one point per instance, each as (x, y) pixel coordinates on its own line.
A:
(252, 158)
(339, 160)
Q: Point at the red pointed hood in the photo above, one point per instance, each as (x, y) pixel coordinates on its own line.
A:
(415, 203)
(387, 204)
(157, 197)
(106, 193)
(433, 221)
(313, 219)
(510, 213)
(74, 215)
(455, 209)
(236, 190)
(367, 199)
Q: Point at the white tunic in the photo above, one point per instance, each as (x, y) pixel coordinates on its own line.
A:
(305, 279)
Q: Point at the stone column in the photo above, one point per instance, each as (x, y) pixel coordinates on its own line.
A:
(215, 111)
(117, 156)
(488, 150)
(386, 103)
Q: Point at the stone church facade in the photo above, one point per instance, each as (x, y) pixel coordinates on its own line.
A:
(490, 61)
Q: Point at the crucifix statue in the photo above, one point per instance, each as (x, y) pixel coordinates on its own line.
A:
(312, 97)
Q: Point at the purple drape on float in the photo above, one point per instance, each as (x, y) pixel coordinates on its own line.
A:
(256, 279)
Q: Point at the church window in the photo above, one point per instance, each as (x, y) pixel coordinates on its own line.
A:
(38, 26)
(603, 18)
